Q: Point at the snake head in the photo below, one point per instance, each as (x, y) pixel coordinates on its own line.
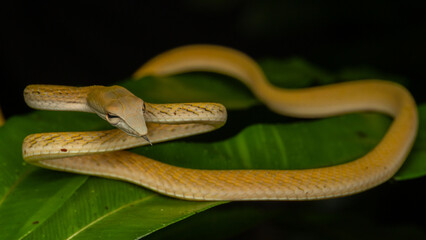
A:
(120, 108)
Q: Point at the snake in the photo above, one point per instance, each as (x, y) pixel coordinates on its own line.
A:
(138, 123)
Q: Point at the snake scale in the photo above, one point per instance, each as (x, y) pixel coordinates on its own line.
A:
(140, 123)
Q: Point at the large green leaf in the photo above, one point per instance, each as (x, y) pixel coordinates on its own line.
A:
(43, 204)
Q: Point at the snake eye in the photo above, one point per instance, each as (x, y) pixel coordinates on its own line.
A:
(113, 119)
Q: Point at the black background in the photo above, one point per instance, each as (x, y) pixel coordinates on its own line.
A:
(62, 42)
(90, 43)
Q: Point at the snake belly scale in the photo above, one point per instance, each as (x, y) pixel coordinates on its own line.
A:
(100, 153)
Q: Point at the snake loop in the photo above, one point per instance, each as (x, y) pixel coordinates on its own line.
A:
(67, 151)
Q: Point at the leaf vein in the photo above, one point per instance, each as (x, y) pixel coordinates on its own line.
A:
(109, 214)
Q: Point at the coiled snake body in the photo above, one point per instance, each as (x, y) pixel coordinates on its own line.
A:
(142, 123)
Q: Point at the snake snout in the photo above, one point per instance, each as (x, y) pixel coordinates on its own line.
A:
(147, 139)
(136, 126)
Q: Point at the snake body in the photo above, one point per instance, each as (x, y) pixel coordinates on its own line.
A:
(69, 151)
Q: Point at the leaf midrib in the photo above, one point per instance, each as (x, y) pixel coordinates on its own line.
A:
(21, 177)
(109, 214)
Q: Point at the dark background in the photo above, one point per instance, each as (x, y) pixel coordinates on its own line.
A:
(100, 43)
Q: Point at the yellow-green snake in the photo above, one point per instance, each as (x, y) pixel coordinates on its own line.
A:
(140, 123)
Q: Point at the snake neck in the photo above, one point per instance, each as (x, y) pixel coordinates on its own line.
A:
(57, 98)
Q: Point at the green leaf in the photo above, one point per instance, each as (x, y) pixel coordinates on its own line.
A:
(297, 145)
(41, 204)
(107, 209)
(295, 73)
(36, 202)
(192, 88)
